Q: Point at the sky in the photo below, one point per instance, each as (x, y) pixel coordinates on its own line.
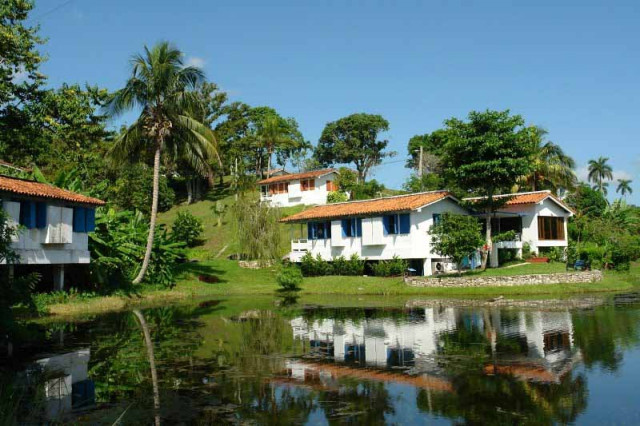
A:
(571, 67)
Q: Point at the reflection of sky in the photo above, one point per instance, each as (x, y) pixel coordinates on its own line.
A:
(406, 412)
(614, 398)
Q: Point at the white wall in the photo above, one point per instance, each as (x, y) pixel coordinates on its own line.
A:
(31, 244)
(296, 196)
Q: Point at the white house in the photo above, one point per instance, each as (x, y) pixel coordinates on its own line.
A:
(377, 229)
(538, 218)
(53, 224)
(308, 188)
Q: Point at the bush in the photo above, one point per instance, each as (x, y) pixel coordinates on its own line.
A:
(555, 254)
(337, 197)
(315, 266)
(289, 277)
(352, 266)
(507, 255)
(187, 229)
(389, 268)
(526, 251)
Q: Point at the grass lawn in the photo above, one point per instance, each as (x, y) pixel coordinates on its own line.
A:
(248, 283)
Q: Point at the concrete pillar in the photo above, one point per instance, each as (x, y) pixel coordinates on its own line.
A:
(493, 257)
(426, 267)
(58, 277)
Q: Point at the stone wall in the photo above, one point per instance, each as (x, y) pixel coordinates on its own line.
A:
(508, 281)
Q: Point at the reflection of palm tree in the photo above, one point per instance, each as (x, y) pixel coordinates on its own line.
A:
(152, 363)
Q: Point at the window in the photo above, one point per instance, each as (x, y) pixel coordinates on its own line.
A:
(318, 230)
(352, 228)
(279, 188)
(41, 215)
(307, 184)
(436, 218)
(28, 214)
(331, 186)
(84, 219)
(396, 224)
(550, 228)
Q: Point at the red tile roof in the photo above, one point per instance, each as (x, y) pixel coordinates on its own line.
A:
(526, 198)
(295, 176)
(36, 189)
(369, 207)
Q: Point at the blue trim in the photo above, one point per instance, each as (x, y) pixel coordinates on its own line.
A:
(79, 223)
(405, 223)
(345, 224)
(41, 215)
(358, 227)
(90, 220)
(28, 214)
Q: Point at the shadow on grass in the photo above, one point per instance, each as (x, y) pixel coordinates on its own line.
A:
(205, 273)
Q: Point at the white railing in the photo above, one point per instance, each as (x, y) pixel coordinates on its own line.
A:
(265, 197)
(301, 244)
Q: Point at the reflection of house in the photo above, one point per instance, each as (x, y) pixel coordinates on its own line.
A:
(537, 218)
(67, 384)
(54, 224)
(306, 188)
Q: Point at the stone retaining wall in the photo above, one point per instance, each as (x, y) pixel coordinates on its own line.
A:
(508, 281)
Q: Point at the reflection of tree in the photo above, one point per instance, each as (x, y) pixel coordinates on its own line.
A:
(152, 364)
(603, 333)
(358, 402)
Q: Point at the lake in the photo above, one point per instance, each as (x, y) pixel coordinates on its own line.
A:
(360, 361)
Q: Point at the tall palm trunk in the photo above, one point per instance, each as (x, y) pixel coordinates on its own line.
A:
(487, 253)
(152, 364)
(154, 213)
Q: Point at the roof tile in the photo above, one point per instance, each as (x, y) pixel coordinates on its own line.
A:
(294, 176)
(368, 207)
(36, 189)
(526, 198)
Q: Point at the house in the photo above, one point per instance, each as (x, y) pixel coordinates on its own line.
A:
(377, 229)
(306, 188)
(53, 224)
(538, 218)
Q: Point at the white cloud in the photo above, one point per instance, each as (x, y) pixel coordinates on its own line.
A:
(194, 61)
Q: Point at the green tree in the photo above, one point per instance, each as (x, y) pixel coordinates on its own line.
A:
(276, 134)
(432, 145)
(599, 171)
(257, 230)
(486, 155)
(624, 187)
(354, 139)
(551, 167)
(165, 91)
(456, 236)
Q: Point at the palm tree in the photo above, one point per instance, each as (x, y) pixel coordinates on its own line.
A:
(599, 170)
(165, 92)
(624, 187)
(551, 166)
(273, 134)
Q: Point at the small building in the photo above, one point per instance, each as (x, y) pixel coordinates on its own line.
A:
(308, 188)
(377, 229)
(54, 224)
(538, 218)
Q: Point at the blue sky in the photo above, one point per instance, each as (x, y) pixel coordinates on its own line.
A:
(571, 67)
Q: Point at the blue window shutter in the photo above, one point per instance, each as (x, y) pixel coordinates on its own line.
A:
(352, 223)
(28, 214)
(79, 224)
(327, 230)
(344, 223)
(310, 231)
(41, 215)
(405, 223)
(386, 225)
(358, 227)
(90, 220)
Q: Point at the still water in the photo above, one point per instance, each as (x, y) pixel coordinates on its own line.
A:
(268, 361)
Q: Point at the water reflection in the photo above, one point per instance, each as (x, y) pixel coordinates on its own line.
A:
(238, 361)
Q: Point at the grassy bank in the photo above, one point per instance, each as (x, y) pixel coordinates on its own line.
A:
(235, 281)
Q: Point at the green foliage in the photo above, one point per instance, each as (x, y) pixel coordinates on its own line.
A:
(317, 266)
(599, 172)
(456, 236)
(354, 139)
(504, 236)
(389, 268)
(42, 301)
(289, 277)
(426, 182)
(187, 229)
(555, 254)
(367, 190)
(117, 247)
(219, 209)
(526, 251)
(337, 197)
(133, 190)
(353, 266)
(586, 201)
(257, 230)
(432, 150)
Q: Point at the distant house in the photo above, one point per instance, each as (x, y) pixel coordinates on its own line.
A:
(308, 188)
(377, 229)
(538, 218)
(54, 224)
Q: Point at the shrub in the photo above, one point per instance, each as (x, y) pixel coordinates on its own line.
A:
(555, 254)
(507, 255)
(390, 268)
(337, 197)
(187, 229)
(256, 230)
(352, 266)
(315, 266)
(289, 277)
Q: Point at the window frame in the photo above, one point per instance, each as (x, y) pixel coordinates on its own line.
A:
(551, 228)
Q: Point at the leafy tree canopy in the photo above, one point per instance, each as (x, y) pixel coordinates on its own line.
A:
(354, 139)
(456, 236)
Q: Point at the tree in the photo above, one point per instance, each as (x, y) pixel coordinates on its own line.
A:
(599, 170)
(165, 91)
(486, 155)
(624, 187)
(551, 167)
(256, 229)
(354, 139)
(277, 134)
(432, 145)
(456, 236)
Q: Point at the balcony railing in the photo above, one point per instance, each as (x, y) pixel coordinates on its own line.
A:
(301, 244)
